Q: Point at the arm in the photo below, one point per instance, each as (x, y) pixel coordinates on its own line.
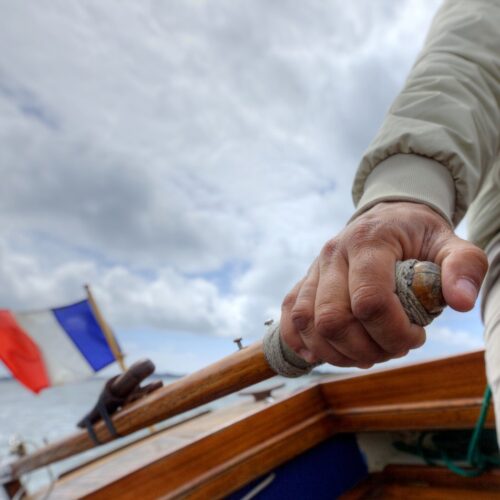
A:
(418, 177)
(441, 135)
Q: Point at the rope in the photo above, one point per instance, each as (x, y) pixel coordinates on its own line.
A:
(446, 444)
(284, 361)
(281, 358)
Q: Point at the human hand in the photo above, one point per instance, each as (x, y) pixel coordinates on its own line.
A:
(345, 310)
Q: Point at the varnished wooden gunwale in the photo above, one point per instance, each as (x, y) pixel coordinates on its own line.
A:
(224, 460)
(249, 366)
(221, 462)
(420, 481)
(455, 377)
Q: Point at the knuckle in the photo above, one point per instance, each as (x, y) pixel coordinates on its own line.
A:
(330, 249)
(366, 230)
(288, 301)
(301, 315)
(329, 322)
(368, 303)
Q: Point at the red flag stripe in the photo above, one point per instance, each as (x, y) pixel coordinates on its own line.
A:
(21, 355)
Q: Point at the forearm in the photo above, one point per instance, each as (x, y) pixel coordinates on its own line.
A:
(448, 114)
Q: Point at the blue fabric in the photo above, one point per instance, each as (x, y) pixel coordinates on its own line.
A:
(80, 324)
(321, 473)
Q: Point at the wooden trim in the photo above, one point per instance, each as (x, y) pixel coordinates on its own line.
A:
(441, 476)
(455, 377)
(444, 414)
(396, 491)
(420, 481)
(93, 460)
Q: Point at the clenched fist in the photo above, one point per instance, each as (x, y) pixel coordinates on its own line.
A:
(345, 311)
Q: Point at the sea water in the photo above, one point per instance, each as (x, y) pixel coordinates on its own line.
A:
(53, 414)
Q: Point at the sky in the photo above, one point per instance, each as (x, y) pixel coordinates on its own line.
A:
(188, 159)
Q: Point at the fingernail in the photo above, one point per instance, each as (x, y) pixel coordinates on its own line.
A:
(468, 288)
(365, 366)
(400, 354)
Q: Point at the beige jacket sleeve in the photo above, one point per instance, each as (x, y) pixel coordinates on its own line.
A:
(442, 133)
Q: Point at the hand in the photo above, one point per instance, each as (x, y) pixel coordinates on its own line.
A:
(345, 310)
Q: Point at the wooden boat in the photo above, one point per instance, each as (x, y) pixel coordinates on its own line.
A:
(302, 445)
(317, 443)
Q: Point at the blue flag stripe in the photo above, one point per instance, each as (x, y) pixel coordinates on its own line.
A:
(80, 324)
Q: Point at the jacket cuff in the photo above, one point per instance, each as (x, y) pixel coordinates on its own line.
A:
(409, 177)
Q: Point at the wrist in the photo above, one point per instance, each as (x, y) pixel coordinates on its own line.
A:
(410, 178)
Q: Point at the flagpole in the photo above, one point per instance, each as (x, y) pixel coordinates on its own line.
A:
(110, 337)
(108, 333)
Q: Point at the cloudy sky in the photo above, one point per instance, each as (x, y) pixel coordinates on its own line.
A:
(188, 159)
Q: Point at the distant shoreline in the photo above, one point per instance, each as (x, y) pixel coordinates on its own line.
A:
(7, 378)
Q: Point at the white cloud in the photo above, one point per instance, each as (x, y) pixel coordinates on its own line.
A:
(189, 159)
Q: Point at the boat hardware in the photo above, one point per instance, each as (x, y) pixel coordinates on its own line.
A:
(265, 394)
(238, 343)
(118, 392)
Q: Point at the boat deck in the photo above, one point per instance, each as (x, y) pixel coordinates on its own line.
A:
(95, 475)
(218, 453)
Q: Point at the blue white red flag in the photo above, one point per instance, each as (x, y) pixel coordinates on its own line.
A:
(53, 347)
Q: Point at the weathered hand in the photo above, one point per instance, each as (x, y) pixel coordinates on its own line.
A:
(345, 310)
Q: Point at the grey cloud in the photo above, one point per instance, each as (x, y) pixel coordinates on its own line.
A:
(188, 135)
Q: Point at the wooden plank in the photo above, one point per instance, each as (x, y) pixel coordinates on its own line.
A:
(256, 461)
(245, 449)
(441, 476)
(416, 492)
(134, 444)
(443, 414)
(97, 473)
(456, 377)
(424, 482)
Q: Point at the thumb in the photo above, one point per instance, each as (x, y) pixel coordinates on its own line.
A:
(463, 267)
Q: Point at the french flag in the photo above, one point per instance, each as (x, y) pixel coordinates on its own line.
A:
(54, 346)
